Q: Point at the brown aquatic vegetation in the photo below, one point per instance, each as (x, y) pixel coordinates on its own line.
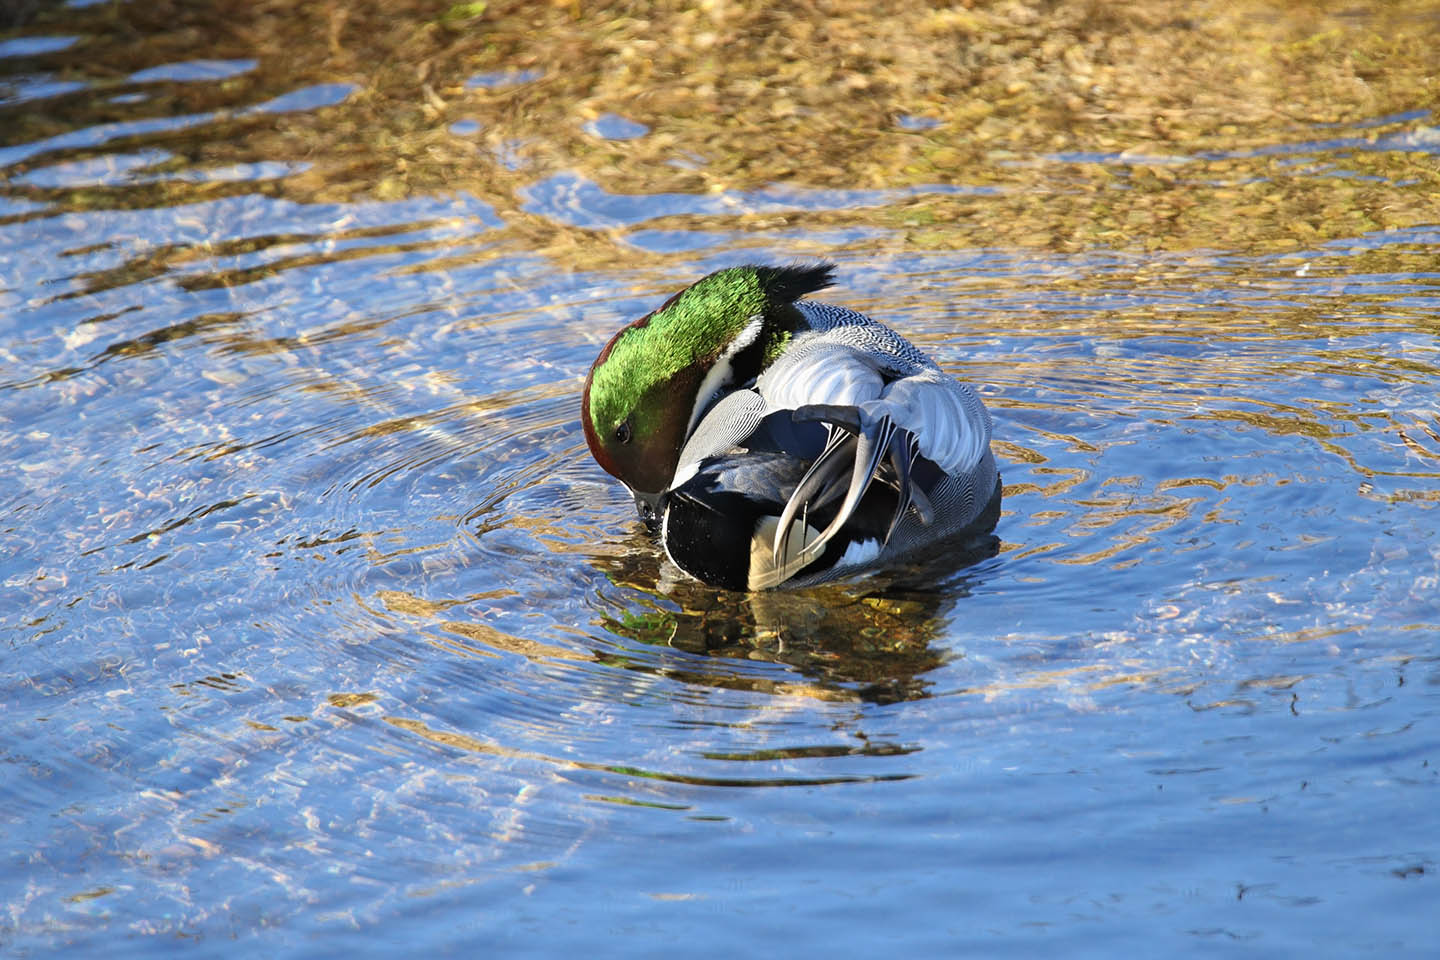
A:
(826, 93)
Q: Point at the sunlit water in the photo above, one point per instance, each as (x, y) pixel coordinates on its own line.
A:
(321, 627)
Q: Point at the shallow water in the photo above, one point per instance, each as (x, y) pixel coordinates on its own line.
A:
(322, 629)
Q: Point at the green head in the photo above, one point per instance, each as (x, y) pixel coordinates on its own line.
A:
(645, 386)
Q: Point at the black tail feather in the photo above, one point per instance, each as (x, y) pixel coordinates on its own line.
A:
(790, 283)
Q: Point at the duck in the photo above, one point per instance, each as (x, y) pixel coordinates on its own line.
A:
(773, 440)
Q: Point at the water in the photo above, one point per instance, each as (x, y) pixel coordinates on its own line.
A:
(322, 632)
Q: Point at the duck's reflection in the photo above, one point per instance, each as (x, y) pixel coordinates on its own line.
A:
(871, 639)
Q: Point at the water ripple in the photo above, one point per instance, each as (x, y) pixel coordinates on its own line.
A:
(319, 615)
(575, 201)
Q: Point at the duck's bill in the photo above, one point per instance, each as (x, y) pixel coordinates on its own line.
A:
(650, 507)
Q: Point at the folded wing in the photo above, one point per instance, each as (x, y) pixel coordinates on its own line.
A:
(838, 445)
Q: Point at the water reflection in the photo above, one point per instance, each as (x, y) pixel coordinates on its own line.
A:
(474, 745)
(319, 618)
(870, 641)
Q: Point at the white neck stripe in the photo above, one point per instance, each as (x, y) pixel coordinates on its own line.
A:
(722, 371)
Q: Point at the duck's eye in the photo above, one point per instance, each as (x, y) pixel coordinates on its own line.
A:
(622, 432)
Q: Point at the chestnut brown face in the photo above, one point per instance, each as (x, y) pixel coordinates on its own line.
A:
(641, 392)
(639, 443)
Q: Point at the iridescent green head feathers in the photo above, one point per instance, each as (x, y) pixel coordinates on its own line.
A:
(642, 390)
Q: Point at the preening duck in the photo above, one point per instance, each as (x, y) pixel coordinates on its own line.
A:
(772, 439)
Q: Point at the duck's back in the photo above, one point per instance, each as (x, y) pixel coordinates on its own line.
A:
(753, 448)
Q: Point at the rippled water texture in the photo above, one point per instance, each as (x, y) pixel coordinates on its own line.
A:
(322, 631)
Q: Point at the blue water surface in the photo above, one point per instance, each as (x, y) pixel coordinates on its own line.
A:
(323, 634)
